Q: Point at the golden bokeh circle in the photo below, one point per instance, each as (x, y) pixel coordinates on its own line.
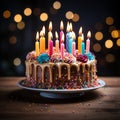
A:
(44, 17)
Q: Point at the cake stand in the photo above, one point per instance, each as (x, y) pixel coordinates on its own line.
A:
(62, 93)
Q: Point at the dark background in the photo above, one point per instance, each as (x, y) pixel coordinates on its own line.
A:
(93, 14)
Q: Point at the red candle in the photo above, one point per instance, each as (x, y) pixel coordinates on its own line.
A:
(88, 42)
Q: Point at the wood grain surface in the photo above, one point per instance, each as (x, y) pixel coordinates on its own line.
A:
(20, 104)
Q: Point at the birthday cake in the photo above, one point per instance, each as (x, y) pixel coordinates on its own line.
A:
(61, 66)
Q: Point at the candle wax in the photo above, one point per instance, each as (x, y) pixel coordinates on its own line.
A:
(37, 48)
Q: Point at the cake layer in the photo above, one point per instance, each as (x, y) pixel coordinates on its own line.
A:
(51, 72)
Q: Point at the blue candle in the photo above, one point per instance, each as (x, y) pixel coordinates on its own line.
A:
(67, 41)
(83, 45)
(70, 40)
(67, 37)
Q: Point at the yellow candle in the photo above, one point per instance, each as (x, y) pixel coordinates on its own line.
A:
(56, 42)
(42, 42)
(80, 41)
(37, 44)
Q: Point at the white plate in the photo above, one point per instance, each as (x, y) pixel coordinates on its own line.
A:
(101, 84)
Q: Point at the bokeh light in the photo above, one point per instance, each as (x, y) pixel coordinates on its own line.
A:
(12, 40)
(17, 61)
(17, 18)
(108, 43)
(76, 17)
(110, 58)
(115, 33)
(44, 17)
(21, 25)
(69, 15)
(97, 47)
(109, 20)
(98, 35)
(57, 5)
(27, 11)
(6, 14)
(118, 42)
(12, 26)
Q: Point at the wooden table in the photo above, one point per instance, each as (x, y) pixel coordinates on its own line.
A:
(20, 104)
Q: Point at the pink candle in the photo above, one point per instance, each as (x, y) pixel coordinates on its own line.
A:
(74, 48)
(88, 42)
(61, 32)
(62, 47)
(50, 46)
(56, 42)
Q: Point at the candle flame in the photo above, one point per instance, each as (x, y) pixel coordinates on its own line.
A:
(50, 26)
(89, 34)
(80, 31)
(61, 25)
(71, 27)
(37, 36)
(82, 37)
(41, 33)
(56, 34)
(43, 29)
(63, 38)
(68, 27)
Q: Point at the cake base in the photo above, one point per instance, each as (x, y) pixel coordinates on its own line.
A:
(61, 93)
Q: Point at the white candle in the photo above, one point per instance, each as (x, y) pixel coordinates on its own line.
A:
(73, 44)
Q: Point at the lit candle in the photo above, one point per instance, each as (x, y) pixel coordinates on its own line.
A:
(83, 44)
(88, 42)
(70, 40)
(62, 47)
(50, 46)
(73, 44)
(80, 41)
(61, 31)
(67, 36)
(56, 42)
(37, 44)
(49, 34)
(42, 40)
(50, 29)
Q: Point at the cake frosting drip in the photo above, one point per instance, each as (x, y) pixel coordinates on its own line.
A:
(53, 73)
